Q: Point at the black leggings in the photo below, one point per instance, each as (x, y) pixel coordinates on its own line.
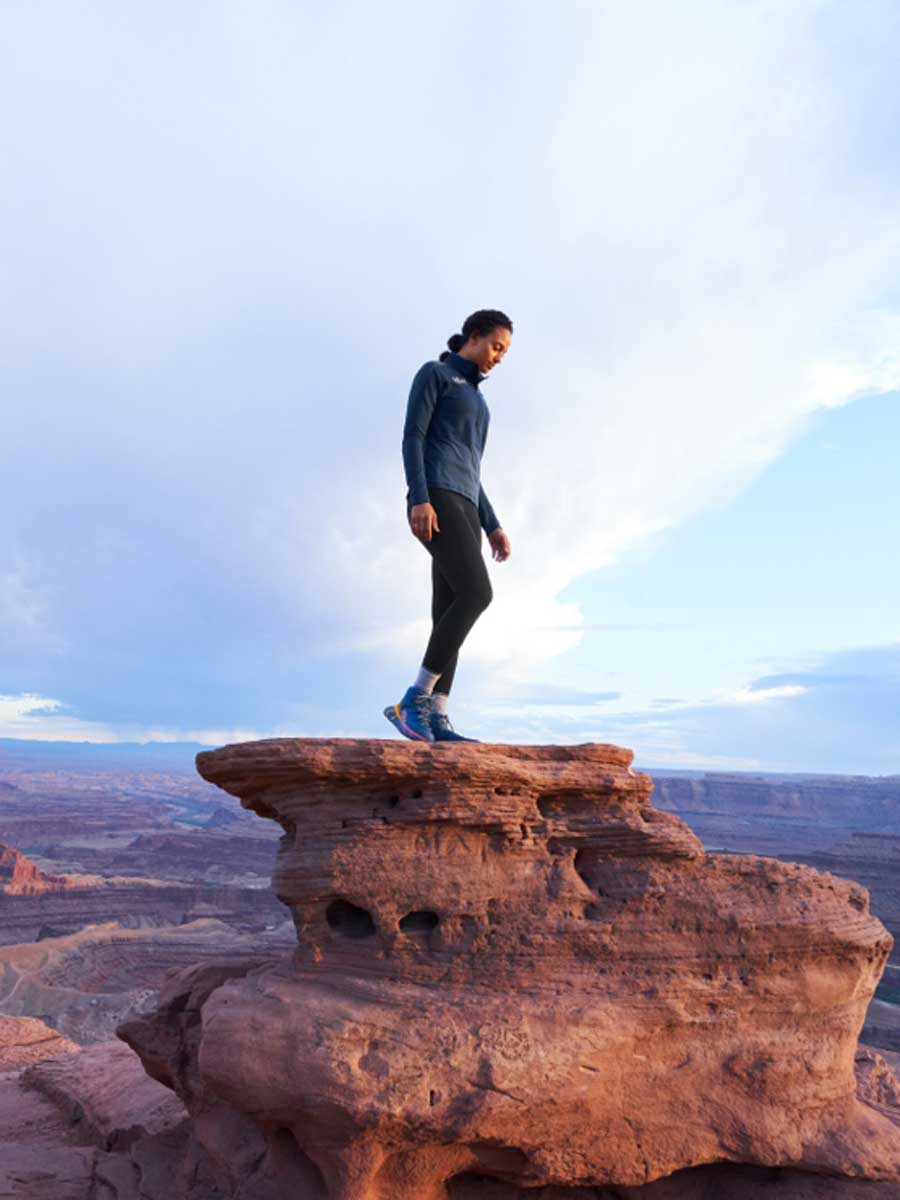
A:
(461, 589)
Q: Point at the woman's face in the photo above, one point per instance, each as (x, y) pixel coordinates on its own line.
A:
(488, 349)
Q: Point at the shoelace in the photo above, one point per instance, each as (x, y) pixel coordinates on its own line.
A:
(441, 719)
(422, 704)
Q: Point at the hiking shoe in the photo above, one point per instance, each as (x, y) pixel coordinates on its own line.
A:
(411, 714)
(444, 732)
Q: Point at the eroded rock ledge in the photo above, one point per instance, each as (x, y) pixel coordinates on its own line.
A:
(509, 963)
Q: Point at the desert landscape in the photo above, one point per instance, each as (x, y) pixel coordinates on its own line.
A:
(449, 664)
(136, 901)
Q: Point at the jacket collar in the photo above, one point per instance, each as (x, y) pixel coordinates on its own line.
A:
(466, 367)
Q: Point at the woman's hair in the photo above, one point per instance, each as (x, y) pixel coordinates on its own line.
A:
(478, 324)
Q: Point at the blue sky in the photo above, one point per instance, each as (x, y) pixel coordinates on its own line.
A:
(233, 233)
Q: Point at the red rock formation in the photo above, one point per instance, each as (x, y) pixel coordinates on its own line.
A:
(20, 877)
(90, 1125)
(509, 963)
(101, 1088)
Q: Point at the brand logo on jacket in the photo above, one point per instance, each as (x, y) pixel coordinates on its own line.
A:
(458, 379)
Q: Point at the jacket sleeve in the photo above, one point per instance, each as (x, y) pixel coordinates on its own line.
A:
(486, 514)
(423, 396)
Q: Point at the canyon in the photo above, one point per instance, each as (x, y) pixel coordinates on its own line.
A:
(491, 974)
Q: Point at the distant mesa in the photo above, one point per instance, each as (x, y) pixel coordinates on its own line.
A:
(512, 972)
(39, 905)
(21, 877)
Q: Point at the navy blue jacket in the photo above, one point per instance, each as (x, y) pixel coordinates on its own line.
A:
(445, 431)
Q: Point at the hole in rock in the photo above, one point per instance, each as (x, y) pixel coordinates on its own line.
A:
(295, 1172)
(417, 794)
(580, 863)
(419, 921)
(349, 919)
(491, 1165)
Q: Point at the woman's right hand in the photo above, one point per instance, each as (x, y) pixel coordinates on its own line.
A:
(422, 519)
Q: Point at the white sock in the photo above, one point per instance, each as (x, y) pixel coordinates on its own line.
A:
(427, 679)
(439, 702)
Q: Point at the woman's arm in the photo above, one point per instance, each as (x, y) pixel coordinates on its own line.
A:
(486, 514)
(423, 396)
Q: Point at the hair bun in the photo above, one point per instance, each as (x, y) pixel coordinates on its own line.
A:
(456, 341)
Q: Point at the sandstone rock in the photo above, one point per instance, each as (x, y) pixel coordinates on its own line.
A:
(57, 1173)
(39, 1157)
(510, 965)
(716, 1181)
(872, 859)
(55, 1117)
(106, 1088)
(839, 823)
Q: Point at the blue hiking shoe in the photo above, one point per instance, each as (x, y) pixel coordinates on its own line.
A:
(444, 732)
(411, 714)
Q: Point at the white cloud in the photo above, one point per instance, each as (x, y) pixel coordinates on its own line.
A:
(41, 718)
(835, 714)
(751, 695)
(253, 245)
(694, 271)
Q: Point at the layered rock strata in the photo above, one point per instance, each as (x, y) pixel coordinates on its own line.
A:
(86, 983)
(509, 965)
(42, 909)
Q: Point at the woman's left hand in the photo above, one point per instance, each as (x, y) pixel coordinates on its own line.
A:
(499, 545)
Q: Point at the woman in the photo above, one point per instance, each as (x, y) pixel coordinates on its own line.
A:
(446, 506)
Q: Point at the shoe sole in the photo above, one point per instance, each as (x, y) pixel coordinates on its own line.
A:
(395, 714)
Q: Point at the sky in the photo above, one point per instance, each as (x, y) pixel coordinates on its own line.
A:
(231, 234)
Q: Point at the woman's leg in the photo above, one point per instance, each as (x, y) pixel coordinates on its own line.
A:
(456, 551)
(442, 596)
(461, 591)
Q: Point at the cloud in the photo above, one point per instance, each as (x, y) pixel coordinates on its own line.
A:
(38, 718)
(836, 715)
(229, 253)
(754, 694)
(539, 695)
